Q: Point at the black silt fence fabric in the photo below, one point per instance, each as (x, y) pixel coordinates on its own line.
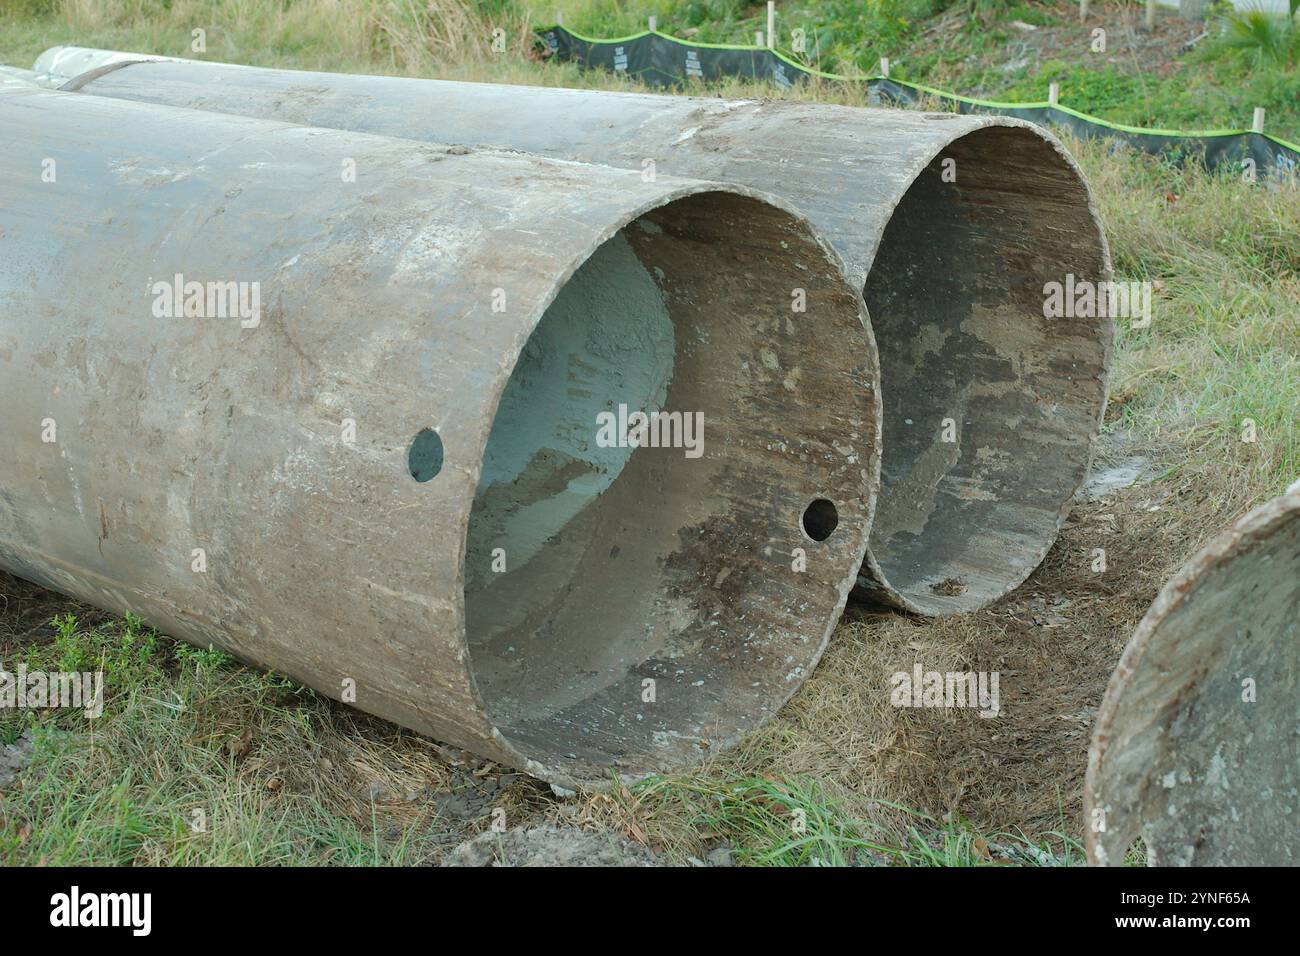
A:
(662, 61)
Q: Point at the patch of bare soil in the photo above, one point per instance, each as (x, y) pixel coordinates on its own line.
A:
(14, 758)
(549, 846)
(26, 610)
(1130, 48)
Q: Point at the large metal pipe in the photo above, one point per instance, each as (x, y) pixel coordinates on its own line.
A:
(11, 74)
(337, 404)
(952, 225)
(1196, 750)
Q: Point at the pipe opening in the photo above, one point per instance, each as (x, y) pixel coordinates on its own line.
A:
(989, 407)
(820, 519)
(424, 460)
(629, 595)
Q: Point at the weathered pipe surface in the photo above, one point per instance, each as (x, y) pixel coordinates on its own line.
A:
(8, 74)
(381, 471)
(990, 408)
(1197, 746)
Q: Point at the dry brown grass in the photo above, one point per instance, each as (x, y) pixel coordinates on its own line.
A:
(416, 37)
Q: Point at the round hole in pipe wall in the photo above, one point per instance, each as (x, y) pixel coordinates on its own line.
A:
(820, 519)
(425, 457)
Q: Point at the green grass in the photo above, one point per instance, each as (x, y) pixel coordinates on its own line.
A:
(1215, 93)
(791, 821)
(168, 776)
(392, 36)
(1224, 345)
(125, 651)
(1266, 39)
(200, 761)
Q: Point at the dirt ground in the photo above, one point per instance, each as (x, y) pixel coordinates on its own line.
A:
(549, 846)
(14, 758)
(1129, 47)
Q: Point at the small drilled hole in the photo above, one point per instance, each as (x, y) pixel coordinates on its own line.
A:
(819, 519)
(425, 457)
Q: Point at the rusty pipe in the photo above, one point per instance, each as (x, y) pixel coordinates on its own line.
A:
(1196, 749)
(953, 226)
(338, 404)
